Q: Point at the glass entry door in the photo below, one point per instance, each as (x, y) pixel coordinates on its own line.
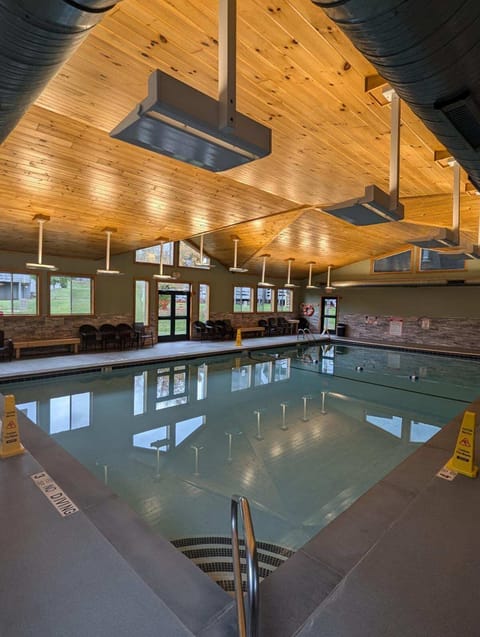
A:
(173, 315)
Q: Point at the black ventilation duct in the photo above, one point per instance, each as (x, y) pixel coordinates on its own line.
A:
(36, 39)
(428, 52)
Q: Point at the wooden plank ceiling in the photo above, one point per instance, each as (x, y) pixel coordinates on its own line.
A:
(296, 73)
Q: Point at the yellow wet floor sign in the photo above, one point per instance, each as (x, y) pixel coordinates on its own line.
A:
(463, 457)
(10, 444)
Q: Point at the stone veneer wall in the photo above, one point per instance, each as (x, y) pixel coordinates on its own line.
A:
(460, 332)
(249, 319)
(42, 327)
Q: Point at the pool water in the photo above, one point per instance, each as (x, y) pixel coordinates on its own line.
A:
(302, 432)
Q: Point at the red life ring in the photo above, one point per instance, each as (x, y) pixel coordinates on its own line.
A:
(307, 309)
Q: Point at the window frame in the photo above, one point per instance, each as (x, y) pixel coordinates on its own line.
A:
(146, 313)
(272, 300)
(157, 261)
(433, 270)
(279, 307)
(207, 285)
(205, 266)
(246, 287)
(392, 254)
(90, 277)
(37, 295)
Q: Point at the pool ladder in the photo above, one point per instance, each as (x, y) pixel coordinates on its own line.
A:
(248, 619)
(305, 334)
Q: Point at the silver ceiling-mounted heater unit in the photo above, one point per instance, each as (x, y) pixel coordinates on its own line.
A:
(447, 237)
(178, 121)
(376, 206)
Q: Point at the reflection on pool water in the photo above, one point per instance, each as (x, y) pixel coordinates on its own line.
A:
(302, 432)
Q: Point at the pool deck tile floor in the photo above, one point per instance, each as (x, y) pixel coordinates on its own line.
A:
(401, 561)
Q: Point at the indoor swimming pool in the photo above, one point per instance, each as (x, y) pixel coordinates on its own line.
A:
(301, 431)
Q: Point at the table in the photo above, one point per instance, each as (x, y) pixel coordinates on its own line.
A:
(293, 325)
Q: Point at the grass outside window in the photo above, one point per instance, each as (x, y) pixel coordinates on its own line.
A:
(70, 295)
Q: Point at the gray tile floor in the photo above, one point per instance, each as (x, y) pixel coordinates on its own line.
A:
(401, 561)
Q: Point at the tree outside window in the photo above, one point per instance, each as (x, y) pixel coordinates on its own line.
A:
(203, 302)
(141, 302)
(152, 254)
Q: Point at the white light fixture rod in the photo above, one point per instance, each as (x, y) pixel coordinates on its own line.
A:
(394, 150)
(107, 254)
(161, 258)
(227, 64)
(235, 251)
(310, 267)
(456, 200)
(289, 270)
(329, 270)
(40, 240)
(201, 249)
(263, 267)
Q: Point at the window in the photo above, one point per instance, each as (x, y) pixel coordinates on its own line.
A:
(18, 293)
(284, 300)
(329, 313)
(152, 254)
(141, 302)
(189, 256)
(71, 294)
(400, 262)
(70, 412)
(203, 302)
(431, 260)
(140, 393)
(241, 377)
(242, 299)
(263, 373)
(264, 300)
(172, 386)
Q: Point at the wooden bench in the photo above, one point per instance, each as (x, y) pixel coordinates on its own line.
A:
(247, 330)
(46, 342)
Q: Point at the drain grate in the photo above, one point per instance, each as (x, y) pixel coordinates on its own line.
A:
(214, 556)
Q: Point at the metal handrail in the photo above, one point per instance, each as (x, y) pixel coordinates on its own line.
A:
(248, 620)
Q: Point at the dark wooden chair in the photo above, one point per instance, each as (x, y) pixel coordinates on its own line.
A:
(213, 330)
(143, 335)
(108, 335)
(283, 326)
(228, 328)
(125, 335)
(6, 347)
(89, 337)
(273, 329)
(199, 329)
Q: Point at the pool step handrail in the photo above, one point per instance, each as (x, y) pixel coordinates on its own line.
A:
(305, 333)
(248, 619)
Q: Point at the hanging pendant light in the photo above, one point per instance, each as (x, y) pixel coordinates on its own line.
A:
(161, 276)
(329, 287)
(235, 268)
(203, 261)
(288, 284)
(40, 219)
(107, 270)
(263, 283)
(310, 286)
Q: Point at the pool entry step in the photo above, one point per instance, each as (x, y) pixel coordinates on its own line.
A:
(214, 556)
